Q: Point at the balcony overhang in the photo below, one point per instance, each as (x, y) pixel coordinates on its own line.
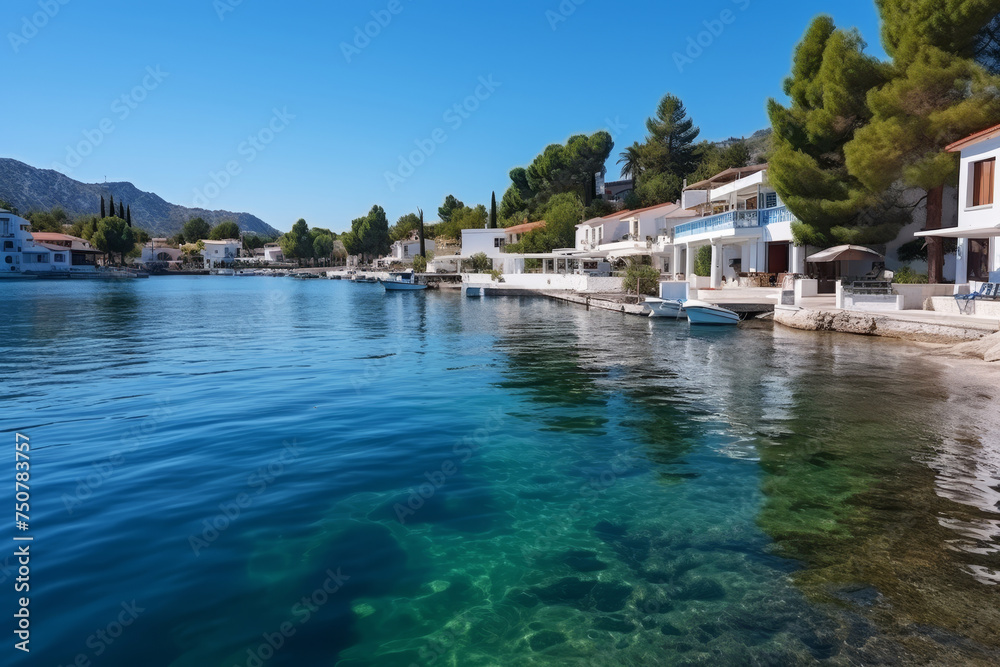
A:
(962, 232)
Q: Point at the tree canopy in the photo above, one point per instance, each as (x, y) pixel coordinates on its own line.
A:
(224, 231)
(369, 236)
(451, 203)
(114, 236)
(195, 230)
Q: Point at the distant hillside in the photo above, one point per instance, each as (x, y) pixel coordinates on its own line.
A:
(760, 143)
(31, 189)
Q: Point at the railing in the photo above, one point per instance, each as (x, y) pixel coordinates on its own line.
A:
(735, 220)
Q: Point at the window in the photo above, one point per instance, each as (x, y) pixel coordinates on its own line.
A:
(982, 182)
(770, 199)
(6, 227)
(9, 259)
(59, 257)
(8, 245)
(499, 243)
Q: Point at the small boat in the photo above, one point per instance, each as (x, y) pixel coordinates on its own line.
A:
(246, 272)
(474, 291)
(701, 312)
(665, 307)
(223, 272)
(402, 282)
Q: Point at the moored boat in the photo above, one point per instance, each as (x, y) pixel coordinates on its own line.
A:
(702, 312)
(402, 282)
(665, 307)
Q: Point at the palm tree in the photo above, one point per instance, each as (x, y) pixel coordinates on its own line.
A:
(631, 161)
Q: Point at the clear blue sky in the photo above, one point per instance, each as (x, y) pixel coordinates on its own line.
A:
(607, 61)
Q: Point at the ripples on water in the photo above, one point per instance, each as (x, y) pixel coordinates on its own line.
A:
(500, 481)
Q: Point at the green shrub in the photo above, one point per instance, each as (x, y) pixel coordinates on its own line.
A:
(420, 264)
(643, 278)
(703, 262)
(904, 275)
(481, 263)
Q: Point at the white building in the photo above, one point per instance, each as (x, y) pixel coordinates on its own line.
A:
(221, 254)
(978, 257)
(744, 222)
(41, 253)
(643, 232)
(271, 252)
(159, 251)
(490, 242)
(403, 252)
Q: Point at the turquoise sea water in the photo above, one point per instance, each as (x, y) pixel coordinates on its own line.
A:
(257, 471)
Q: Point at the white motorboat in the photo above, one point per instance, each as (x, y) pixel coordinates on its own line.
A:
(665, 307)
(701, 312)
(402, 282)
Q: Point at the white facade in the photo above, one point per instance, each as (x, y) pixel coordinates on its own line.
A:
(272, 253)
(218, 254)
(403, 252)
(159, 250)
(51, 253)
(978, 230)
(491, 242)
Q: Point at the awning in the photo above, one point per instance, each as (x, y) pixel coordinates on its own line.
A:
(844, 253)
(962, 232)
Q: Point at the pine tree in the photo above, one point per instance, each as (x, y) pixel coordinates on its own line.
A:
(831, 77)
(102, 208)
(938, 95)
(670, 146)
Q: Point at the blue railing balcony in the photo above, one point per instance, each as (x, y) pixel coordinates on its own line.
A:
(734, 220)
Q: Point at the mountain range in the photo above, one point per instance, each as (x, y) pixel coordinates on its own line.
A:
(32, 189)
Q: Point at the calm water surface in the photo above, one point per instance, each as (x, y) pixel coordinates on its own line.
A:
(256, 471)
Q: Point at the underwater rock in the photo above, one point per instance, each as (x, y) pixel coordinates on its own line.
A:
(546, 639)
(522, 598)
(670, 630)
(608, 531)
(583, 561)
(701, 589)
(612, 624)
(584, 595)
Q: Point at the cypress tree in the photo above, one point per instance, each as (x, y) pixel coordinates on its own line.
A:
(423, 249)
(102, 208)
(128, 215)
(493, 212)
(121, 210)
(112, 207)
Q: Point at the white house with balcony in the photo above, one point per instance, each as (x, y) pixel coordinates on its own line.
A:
(643, 232)
(43, 254)
(742, 219)
(978, 256)
(221, 254)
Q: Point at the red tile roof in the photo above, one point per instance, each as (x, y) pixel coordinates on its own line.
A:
(983, 135)
(526, 227)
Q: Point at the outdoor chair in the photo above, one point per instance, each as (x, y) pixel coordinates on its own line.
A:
(985, 291)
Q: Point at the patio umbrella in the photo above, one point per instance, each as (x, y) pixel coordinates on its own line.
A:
(845, 253)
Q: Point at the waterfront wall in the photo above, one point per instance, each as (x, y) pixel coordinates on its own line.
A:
(976, 307)
(550, 282)
(874, 324)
